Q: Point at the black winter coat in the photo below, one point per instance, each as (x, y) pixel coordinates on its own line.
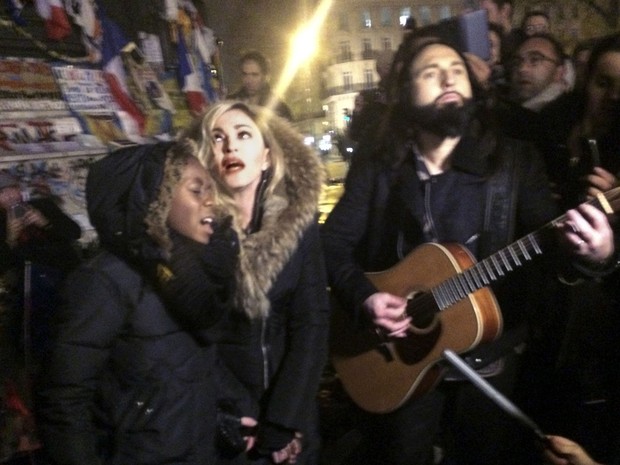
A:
(132, 376)
(126, 383)
(279, 359)
(276, 344)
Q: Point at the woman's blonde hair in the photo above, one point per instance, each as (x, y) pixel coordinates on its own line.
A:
(202, 134)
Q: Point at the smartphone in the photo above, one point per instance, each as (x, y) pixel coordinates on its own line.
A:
(590, 157)
(474, 33)
(18, 210)
(468, 33)
(594, 153)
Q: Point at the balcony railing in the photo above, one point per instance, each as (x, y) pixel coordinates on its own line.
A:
(344, 57)
(369, 54)
(347, 89)
(350, 56)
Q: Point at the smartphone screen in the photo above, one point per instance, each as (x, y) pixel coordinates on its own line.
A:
(468, 32)
(590, 157)
(18, 210)
(474, 33)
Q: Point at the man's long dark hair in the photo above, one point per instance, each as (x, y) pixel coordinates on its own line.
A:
(396, 124)
(404, 84)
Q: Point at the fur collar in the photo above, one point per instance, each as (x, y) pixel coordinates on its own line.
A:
(287, 215)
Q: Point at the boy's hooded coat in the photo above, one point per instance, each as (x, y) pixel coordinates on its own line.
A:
(128, 380)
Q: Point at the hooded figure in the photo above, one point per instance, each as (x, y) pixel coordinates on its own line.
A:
(132, 376)
(275, 342)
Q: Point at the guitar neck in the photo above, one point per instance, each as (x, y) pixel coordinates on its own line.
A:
(509, 258)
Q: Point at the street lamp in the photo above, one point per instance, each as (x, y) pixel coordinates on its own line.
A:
(303, 47)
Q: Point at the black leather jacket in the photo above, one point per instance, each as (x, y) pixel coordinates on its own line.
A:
(497, 191)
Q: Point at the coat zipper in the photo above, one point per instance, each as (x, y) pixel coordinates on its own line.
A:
(264, 351)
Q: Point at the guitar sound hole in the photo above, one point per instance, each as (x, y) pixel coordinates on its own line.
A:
(423, 311)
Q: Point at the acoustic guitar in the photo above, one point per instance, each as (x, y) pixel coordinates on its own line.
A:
(451, 307)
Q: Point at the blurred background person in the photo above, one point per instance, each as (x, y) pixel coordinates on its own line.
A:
(371, 104)
(501, 12)
(255, 88)
(536, 22)
(498, 80)
(38, 247)
(580, 57)
(537, 71)
(577, 380)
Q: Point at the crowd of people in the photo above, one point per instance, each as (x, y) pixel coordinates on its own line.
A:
(200, 332)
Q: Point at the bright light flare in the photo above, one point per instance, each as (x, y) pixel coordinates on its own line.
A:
(303, 46)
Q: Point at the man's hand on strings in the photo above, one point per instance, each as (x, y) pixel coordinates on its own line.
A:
(587, 234)
(388, 314)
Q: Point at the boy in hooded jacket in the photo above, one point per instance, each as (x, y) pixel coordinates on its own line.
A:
(132, 377)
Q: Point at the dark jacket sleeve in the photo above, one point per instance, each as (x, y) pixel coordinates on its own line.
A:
(535, 206)
(61, 227)
(91, 318)
(198, 281)
(345, 229)
(295, 385)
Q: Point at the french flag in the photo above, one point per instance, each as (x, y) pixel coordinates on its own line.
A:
(189, 79)
(57, 26)
(113, 70)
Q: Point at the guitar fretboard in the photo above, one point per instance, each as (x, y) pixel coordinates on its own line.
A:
(508, 259)
(487, 271)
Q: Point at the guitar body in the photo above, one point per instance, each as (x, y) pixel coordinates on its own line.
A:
(381, 376)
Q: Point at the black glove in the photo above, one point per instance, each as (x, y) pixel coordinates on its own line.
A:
(229, 437)
(220, 255)
(229, 430)
(272, 438)
(198, 282)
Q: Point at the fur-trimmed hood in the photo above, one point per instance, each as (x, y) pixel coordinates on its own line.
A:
(287, 214)
(128, 196)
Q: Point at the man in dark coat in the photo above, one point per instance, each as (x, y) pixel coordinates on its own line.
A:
(443, 176)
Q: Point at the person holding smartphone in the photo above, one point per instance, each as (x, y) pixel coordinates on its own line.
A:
(35, 236)
(580, 144)
(36, 230)
(39, 233)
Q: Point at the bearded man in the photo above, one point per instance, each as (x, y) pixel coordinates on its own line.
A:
(441, 174)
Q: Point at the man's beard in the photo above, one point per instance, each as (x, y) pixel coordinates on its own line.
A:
(450, 120)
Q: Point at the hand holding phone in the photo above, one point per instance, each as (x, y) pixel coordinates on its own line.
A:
(17, 210)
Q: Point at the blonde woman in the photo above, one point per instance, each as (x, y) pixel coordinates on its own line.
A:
(276, 342)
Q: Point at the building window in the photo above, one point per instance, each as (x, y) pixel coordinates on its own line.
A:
(444, 12)
(345, 51)
(404, 14)
(425, 15)
(368, 79)
(366, 21)
(366, 49)
(386, 43)
(386, 17)
(343, 22)
(347, 81)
